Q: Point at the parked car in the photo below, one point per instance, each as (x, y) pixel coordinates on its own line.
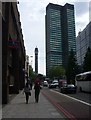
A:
(70, 88)
(54, 84)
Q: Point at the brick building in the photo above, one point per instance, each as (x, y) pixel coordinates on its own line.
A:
(13, 51)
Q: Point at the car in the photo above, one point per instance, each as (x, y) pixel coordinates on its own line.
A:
(54, 84)
(45, 83)
(69, 88)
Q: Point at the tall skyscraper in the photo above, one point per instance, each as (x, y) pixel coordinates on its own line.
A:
(60, 34)
(36, 60)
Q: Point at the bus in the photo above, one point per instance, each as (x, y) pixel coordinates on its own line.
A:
(83, 81)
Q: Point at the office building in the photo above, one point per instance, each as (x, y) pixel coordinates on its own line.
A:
(60, 34)
(83, 41)
(27, 66)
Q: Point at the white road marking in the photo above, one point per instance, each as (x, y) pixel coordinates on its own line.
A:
(72, 98)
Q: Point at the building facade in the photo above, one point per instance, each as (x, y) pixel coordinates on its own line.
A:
(27, 67)
(60, 34)
(83, 41)
(13, 51)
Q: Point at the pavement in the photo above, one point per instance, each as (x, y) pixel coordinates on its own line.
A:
(17, 108)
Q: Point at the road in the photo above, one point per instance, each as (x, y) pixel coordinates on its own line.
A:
(86, 97)
(69, 106)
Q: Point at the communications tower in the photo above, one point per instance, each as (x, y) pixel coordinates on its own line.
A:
(36, 60)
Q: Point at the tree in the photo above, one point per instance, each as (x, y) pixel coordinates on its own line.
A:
(56, 71)
(31, 73)
(72, 68)
(87, 61)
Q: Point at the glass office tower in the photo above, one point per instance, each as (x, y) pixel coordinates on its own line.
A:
(68, 32)
(60, 34)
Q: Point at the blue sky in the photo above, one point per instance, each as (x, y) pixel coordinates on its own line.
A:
(32, 17)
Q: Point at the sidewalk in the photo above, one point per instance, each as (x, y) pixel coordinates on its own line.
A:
(17, 108)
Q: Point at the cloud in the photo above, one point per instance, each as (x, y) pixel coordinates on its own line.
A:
(79, 27)
(42, 10)
(81, 22)
(90, 11)
(83, 18)
(82, 0)
(81, 8)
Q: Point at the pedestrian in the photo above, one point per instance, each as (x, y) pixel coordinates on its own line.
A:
(30, 83)
(27, 92)
(37, 88)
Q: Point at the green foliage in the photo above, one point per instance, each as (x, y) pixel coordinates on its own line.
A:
(87, 61)
(72, 68)
(31, 73)
(56, 71)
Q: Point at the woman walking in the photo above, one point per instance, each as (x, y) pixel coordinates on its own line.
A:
(27, 92)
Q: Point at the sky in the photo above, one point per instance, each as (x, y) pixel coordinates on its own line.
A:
(32, 17)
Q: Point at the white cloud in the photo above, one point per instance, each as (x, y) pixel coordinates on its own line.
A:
(90, 11)
(81, 22)
(81, 8)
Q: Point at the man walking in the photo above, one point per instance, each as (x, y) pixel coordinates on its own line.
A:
(37, 88)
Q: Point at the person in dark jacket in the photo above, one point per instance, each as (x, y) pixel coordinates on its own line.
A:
(37, 88)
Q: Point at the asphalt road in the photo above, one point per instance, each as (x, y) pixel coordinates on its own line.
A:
(86, 97)
(69, 106)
